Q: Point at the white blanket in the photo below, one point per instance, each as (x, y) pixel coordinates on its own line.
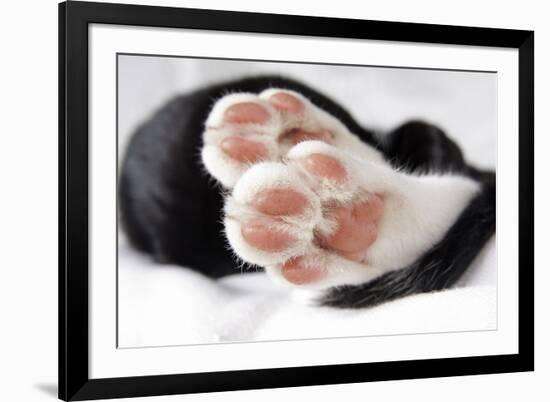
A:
(169, 305)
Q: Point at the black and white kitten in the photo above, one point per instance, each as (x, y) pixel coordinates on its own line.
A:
(305, 192)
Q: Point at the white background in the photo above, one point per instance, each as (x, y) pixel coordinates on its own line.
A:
(380, 98)
(28, 162)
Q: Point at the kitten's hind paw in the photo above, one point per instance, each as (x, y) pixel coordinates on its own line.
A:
(309, 219)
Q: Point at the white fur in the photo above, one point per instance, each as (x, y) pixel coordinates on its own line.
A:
(418, 210)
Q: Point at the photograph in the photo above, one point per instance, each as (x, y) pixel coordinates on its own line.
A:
(256, 201)
(267, 200)
(253, 201)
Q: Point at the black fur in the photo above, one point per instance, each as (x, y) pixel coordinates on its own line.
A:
(171, 208)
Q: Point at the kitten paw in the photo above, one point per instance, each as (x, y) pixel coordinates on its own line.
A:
(309, 220)
(244, 129)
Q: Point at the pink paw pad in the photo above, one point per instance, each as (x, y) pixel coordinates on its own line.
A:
(357, 228)
(325, 166)
(286, 102)
(263, 235)
(246, 113)
(276, 202)
(298, 272)
(280, 202)
(243, 150)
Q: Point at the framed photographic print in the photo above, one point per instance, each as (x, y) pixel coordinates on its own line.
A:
(258, 200)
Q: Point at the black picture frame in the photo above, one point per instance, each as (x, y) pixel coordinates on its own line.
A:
(74, 381)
